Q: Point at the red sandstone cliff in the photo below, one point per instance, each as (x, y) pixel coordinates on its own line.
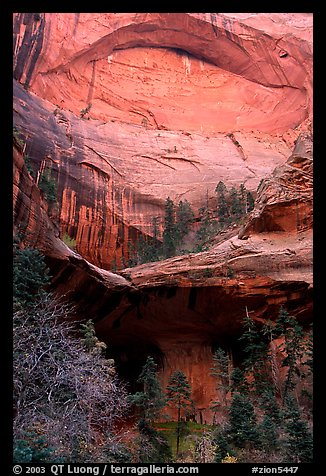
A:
(177, 102)
(171, 105)
(172, 309)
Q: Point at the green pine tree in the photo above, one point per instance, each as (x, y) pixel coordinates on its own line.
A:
(243, 199)
(239, 382)
(309, 362)
(299, 442)
(256, 350)
(268, 432)
(30, 276)
(243, 425)
(90, 340)
(48, 187)
(207, 226)
(293, 347)
(184, 218)
(268, 403)
(235, 203)
(220, 371)
(250, 202)
(33, 448)
(179, 397)
(223, 446)
(222, 205)
(151, 400)
(169, 233)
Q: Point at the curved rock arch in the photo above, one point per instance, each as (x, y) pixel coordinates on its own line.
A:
(230, 45)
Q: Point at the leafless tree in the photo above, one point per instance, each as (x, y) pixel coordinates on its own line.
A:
(63, 391)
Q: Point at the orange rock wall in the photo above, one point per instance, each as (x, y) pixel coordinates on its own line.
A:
(171, 105)
(222, 75)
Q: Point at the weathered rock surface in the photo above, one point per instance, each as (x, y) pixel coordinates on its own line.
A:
(113, 178)
(31, 220)
(171, 104)
(284, 201)
(180, 309)
(224, 76)
(176, 103)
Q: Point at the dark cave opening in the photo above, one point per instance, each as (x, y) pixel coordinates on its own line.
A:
(130, 355)
(233, 347)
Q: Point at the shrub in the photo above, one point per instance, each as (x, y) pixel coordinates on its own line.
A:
(30, 276)
(48, 187)
(70, 242)
(65, 389)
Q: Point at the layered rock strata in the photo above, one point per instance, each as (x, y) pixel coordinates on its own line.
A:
(128, 109)
(180, 309)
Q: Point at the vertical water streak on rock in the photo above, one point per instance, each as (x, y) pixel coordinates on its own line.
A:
(27, 50)
(77, 15)
(91, 85)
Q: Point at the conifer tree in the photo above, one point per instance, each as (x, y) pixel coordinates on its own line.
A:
(268, 432)
(184, 218)
(223, 447)
(293, 347)
(206, 229)
(250, 202)
(90, 340)
(299, 441)
(268, 403)
(179, 397)
(30, 276)
(243, 199)
(222, 205)
(220, 371)
(255, 349)
(151, 399)
(310, 352)
(169, 233)
(238, 381)
(235, 203)
(243, 424)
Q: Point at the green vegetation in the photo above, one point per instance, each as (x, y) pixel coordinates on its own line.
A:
(179, 397)
(151, 400)
(221, 372)
(266, 417)
(184, 233)
(194, 432)
(169, 233)
(67, 396)
(66, 393)
(29, 166)
(30, 277)
(48, 187)
(17, 135)
(71, 242)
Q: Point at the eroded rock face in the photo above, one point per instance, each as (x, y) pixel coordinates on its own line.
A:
(175, 102)
(178, 103)
(180, 309)
(32, 222)
(113, 178)
(284, 200)
(225, 75)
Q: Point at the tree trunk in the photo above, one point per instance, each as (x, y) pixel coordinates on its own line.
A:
(178, 429)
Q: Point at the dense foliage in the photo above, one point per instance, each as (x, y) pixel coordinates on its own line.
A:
(68, 398)
(267, 417)
(179, 397)
(183, 232)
